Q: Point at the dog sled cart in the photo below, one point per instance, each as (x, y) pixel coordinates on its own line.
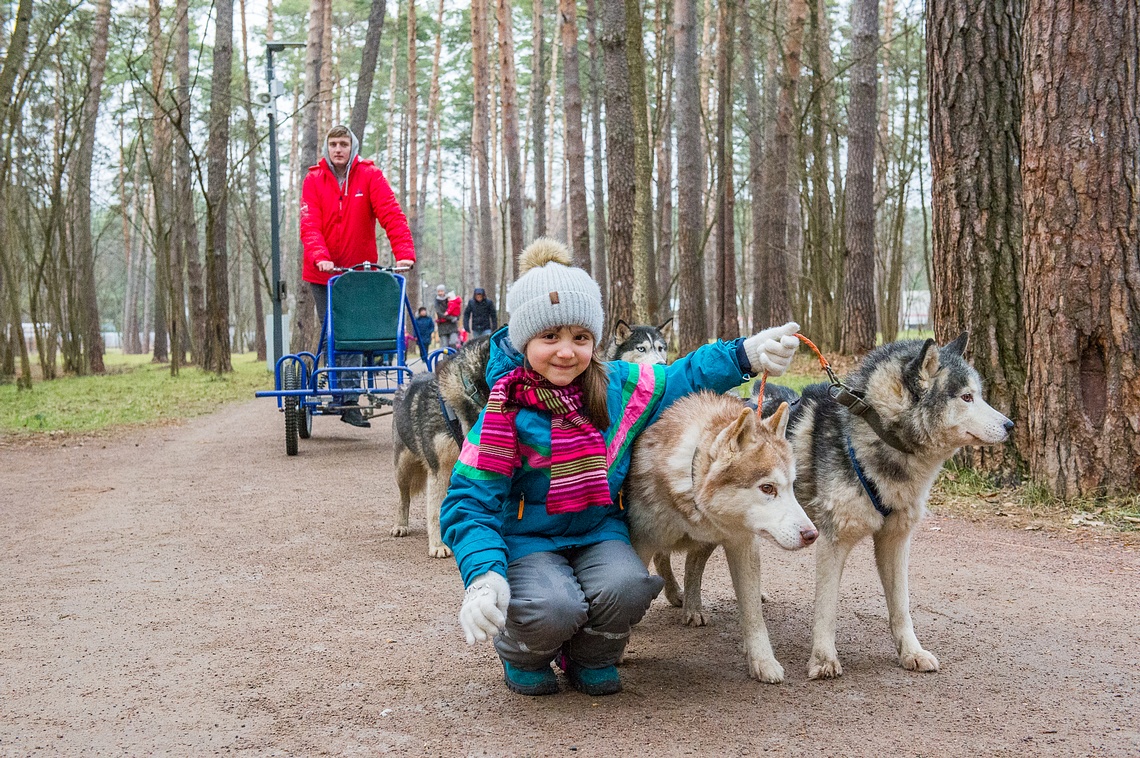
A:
(365, 318)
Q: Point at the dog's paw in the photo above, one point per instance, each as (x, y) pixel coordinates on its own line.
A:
(439, 551)
(823, 666)
(767, 670)
(694, 618)
(919, 660)
(398, 531)
(673, 594)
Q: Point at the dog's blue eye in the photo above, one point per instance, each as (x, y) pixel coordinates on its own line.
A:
(641, 348)
(968, 397)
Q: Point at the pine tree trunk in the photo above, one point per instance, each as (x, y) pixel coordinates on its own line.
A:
(690, 216)
(162, 180)
(976, 201)
(432, 125)
(600, 263)
(217, 352)
(510, 116)
(252, 199)
(185, 254)
(369, 54)
(575, 144)
(753, 109)
(538, 116)
(481, 66)
(644, 260)
(859, 330)
(620, 136)
(1080, 140)
(306, 321)
(412, 111)
(725, 292)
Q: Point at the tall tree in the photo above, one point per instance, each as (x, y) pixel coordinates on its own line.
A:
(724, 300)
(412, 112)
(432, 126)
(858, 336)
(538, 116)
(644, 262)
(158, 159)
(663, 147)
(1080, 140)
(975, 144)
(620, 162)
(369, 54)
(510, 116)
(690, 217)
(185, 248)
(306, 323)
(257, 270)
(775, 200)
(575, 144)
(216, 356)
(84, 245)
(601, 275)
(482, 74)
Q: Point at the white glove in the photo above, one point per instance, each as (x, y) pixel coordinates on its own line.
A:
(484, 610)
(772, 350)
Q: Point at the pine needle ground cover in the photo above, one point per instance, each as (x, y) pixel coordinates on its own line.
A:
(133, 392)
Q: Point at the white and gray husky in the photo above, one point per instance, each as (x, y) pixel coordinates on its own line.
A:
(639, 343)
(870, 474)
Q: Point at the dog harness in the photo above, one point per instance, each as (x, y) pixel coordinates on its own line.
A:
(868, 485)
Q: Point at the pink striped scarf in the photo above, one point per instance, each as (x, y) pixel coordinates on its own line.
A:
(577, 450)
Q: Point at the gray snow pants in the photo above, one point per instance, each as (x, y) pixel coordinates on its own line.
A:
(584, 598)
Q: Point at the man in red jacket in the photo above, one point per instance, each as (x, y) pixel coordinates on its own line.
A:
(342, 198)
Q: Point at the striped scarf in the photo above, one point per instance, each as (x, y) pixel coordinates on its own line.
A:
(577, 450)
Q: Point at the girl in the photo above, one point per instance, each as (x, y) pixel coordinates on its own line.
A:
(534, 512)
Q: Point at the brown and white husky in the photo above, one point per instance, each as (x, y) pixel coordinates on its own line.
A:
(710, 472)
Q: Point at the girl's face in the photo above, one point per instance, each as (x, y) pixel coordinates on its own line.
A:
(560, 354)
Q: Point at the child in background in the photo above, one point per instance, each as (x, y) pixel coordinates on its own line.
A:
(426, 326)
(533, 513)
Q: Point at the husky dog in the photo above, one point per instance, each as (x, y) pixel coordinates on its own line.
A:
(709, 473)
(866, 464)
(638, 344)
(427, 433)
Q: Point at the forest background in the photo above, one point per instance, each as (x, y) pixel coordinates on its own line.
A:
(726, 163)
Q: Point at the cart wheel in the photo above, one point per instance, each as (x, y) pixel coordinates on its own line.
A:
(305, 422)
(291, 381)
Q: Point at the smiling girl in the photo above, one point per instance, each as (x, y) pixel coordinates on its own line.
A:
(534, 513)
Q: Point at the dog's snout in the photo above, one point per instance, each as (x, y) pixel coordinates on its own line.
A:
(1008, 426)
(809, 534)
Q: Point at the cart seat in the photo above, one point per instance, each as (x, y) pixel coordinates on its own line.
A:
(365, 311)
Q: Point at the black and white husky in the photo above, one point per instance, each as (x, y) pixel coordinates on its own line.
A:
(866, 470)
(639, 344)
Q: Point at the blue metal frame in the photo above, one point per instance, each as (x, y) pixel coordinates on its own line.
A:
(311, 371)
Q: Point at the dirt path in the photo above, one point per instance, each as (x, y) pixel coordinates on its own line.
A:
(190, 590)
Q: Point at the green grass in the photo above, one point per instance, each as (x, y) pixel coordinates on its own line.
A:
(133, 392)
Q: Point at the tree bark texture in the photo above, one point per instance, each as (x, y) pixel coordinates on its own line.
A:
(481, 66)
(644, 261)
(185, 253)
(162, 180)
(217, 352)
(510, 116)
(620, 162)
(597, 83)
(538, 116)
(574, 141)
(724, 300)
(253, 201)
(84, 245)
(974, 74)
(369, 54)
(692, 328)
(858, 336)
(1080, 138)
(412, 111)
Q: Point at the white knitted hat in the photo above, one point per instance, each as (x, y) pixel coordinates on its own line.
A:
(550, 292)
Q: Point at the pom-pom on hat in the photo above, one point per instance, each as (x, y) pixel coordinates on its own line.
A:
(550, 292)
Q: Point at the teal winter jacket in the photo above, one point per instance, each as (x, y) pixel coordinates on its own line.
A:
(489, 520)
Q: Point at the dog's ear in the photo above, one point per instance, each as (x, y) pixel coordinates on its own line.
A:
(777, 423)
(734, 436)
(926, 364)
(621, 331)
(958, 346)
(665, 329)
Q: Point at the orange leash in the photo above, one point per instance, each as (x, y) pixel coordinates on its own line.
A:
(823, 364)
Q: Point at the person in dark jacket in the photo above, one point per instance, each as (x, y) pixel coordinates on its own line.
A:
(479, 317)
(426, 326)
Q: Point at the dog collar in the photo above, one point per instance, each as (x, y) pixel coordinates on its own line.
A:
(868, 486)
(856, 403)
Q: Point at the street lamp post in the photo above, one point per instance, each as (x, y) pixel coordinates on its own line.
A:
(278, 284)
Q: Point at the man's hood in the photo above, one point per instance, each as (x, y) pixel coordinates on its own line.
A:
(352, 155)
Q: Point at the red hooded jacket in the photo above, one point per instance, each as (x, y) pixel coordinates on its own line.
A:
(342, 227)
